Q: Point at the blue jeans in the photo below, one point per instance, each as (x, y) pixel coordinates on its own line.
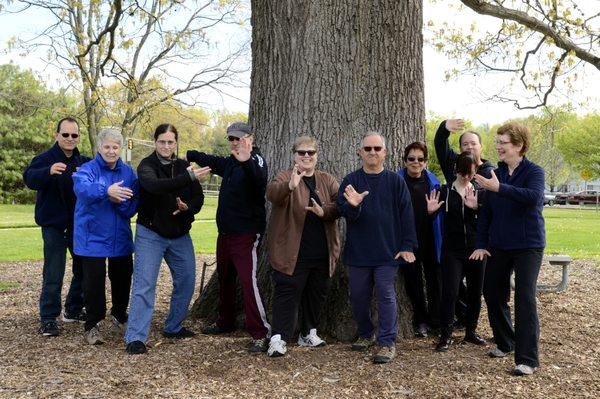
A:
(361, 281)
(150, 249)
(56, 244)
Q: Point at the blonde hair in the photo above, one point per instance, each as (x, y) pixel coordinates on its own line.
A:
(305, 140)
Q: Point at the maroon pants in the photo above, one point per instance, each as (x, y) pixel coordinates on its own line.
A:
(236, 255)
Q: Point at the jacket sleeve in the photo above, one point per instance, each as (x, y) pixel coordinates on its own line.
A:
(531, 194)
(344, 208)
(37, 175)
(215, 163)
(195, 204)
(483, 223)
(87, 188)
(149, 180)
(256, 169)
(408, 241)
(330, 211)
(445, 155)
(278, 191)
(128, 208)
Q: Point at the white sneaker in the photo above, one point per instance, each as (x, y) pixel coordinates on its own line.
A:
(93, 336)
(523, 369)
(118, 326)
(312, 339)
(277, 346)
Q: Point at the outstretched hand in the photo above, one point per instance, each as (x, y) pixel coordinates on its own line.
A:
(491, 184)
(353, 197)
(433, 201)
(296, 178)
(455, 125)
(315, 208)
(117, 193)
(406, 255)
(243, 151)
(479, 254)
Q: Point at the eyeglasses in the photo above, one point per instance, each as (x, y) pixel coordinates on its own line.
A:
(73, 135)
(369, 148)
(302, 153)
(500, 142)
(165, 143)
(413, 159)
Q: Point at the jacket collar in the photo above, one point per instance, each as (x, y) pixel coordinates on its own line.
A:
(58, 152)
(104, 165)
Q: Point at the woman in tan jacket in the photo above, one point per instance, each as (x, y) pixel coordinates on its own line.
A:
(303, 244)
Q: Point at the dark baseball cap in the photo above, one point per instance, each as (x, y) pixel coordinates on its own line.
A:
(239, 129)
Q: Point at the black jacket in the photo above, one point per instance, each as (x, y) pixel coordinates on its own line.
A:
(55, 199)
(160, 185)
(241, 207)
(447, 157)
(459, 221)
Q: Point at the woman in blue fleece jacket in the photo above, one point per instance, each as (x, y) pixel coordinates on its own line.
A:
(511, 233)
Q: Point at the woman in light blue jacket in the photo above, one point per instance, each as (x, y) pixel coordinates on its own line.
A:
(106, 190)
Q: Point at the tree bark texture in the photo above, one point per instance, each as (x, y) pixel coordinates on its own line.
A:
(334, 70)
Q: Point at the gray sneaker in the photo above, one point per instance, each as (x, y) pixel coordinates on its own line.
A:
(497, 353)
(93, 336)
(384, 355)
(523, 369)
(362, 344)
(117, 326)
(259, 345)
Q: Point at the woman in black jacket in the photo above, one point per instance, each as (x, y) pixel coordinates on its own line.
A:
(460, 203)
(170, 196)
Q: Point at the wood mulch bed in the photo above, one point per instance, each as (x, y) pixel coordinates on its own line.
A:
(34, 366)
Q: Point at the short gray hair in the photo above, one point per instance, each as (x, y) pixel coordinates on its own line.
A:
(372, 133)
(109, 134)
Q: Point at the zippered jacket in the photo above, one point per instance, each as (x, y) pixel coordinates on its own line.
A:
(102, 227)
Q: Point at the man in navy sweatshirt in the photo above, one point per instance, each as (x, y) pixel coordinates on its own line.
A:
(241, 221)
(50, 175)
(380, 236)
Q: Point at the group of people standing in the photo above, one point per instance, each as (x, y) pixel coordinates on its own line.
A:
(406, 221)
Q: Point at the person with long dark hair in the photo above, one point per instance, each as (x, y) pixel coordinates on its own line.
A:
(170, 196)
(511, 234)
(459, 203)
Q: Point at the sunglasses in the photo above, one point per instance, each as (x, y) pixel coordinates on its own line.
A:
(368, 148)
(73, 135)
(413, 159)
(302, 153)
(233, 138)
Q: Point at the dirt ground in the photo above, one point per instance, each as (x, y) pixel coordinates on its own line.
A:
(64, 367)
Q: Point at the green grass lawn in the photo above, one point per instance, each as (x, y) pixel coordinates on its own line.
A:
(573, 232)
(22, 215)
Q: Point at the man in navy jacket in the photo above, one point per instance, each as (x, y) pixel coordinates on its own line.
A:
(50, 175)
(380, 236)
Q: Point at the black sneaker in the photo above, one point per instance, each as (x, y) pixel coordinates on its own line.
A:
(421, 331)
(214, 329)
(136, 348)
(444, 344)
(259, 345)
(475, 338)
(74, 318)
(183, 333)
(49, 329)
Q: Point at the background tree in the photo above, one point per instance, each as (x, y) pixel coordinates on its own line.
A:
(542, 45)
(334, 70)
(138, 45)
(28, 114)
(580, 145)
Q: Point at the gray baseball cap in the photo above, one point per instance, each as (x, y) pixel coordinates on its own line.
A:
(239, 129)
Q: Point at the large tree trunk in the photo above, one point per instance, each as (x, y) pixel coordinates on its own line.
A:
(334, 70)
